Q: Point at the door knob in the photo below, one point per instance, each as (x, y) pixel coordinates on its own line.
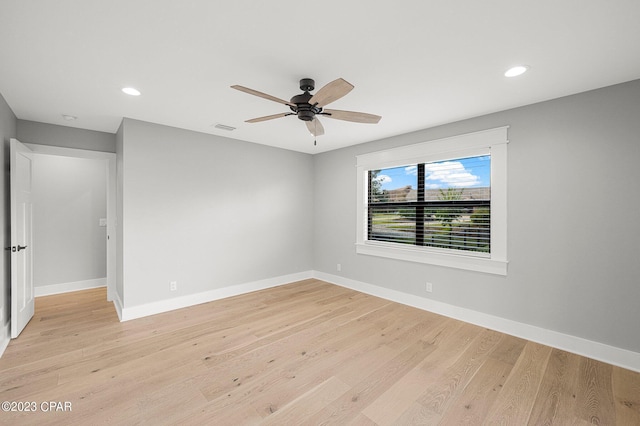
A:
(15, 249)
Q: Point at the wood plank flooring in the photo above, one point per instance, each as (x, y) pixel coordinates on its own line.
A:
(304, 353)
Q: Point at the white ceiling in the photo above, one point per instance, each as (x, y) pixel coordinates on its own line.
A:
(417, 63)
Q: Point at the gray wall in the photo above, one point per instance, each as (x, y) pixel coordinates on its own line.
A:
(66, 137)
(7, 131)
(573, 185)
(69, 199)
(209, 212)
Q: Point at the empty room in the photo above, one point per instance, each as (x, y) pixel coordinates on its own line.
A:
(345, 213)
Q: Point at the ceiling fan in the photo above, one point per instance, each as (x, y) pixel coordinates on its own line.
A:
(307, 106)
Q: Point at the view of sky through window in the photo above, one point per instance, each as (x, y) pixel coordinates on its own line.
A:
(458, 173)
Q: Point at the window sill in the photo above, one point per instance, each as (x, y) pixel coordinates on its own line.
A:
(421, 255)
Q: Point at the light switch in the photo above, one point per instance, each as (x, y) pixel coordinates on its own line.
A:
(103, 222)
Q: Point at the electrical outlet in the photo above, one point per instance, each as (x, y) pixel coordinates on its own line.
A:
(339, 267)
(429, 287)
(173, 285)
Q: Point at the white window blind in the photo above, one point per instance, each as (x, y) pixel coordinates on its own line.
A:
(442, 205)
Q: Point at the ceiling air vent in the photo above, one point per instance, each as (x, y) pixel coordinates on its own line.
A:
(224, 127)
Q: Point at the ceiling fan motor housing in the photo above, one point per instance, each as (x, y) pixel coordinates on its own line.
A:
(304, 110)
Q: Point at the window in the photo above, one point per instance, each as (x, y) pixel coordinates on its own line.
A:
(444, 204)
(441, 202)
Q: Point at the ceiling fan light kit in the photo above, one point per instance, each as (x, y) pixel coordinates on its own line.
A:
(307, 106)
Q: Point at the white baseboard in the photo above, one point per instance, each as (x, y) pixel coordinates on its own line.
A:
(5, 337)
(48, 290)
(117, 304)
(588, 348)
(133, 312)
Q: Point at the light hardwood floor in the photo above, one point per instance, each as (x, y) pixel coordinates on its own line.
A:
(303, 353)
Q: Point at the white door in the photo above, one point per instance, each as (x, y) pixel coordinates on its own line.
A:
(22, 297)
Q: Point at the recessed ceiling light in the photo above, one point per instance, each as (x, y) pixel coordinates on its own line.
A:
(516, 71)
(131, 91)
(69, 117)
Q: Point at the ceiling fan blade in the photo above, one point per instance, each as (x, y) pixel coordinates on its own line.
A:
(357, 117)
(331, 92)
(262, 95)
(268, 117)
(315, 127)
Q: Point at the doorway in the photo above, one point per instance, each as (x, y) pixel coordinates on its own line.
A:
(56, 250)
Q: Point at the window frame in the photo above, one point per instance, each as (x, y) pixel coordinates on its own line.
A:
(487, 142)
